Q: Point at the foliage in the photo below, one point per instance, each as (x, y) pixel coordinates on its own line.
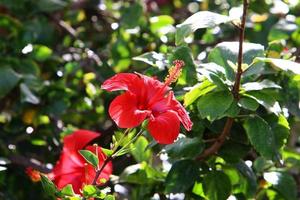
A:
(56, 54)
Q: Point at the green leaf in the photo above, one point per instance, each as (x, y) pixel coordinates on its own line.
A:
(214, 105)
(283, 183)
(248, 103)
(197, 91)
(8, 80)
(217, 185)
(159, 23)
(182, 176)
(233, 152)
(139, 151)
(107, 152)
(266, 100)
(90, 157)
(90, 191)
(227, 52)
(48, 185)
(27, 95)
(202, 19)
(250, 86)
(281, 64)
(131, 16)
(153, 58)
(261, 136)
(109, 197)
(251, 185)
(281, 129)
(67, 190)
(41, 52)
(214, 73)
(50, 5)
(185, 148)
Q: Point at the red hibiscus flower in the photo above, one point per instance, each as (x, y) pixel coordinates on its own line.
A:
(72, 168)
(148, 98)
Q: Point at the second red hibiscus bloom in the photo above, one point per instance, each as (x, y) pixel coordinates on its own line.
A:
(148, 98)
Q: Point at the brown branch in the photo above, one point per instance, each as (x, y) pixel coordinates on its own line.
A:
(98, 172)
(27, 162)
(235, 91)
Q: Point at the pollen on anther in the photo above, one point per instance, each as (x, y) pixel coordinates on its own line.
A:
(174, 72)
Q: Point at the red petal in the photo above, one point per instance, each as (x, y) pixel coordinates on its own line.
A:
(123, 110)
(165, 127)
(121, 81)
(75, 179)
(182, 113)
(78, 140)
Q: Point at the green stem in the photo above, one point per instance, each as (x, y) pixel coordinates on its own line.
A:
(115, 152)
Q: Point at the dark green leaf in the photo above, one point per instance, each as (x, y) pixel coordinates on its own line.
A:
(131, 15)
(182, 176)
(214, 105)
(251, 185)
(217, 185)
(90, 157)
(8, 80)
(248, 103)
(228, 51)
(261, 136)
(185, 147)
(233, 152)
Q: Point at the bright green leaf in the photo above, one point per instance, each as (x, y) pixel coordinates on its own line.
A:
(90, 157)
(139, 151)
(197, 91)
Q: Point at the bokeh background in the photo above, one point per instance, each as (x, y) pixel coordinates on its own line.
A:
(54, 55)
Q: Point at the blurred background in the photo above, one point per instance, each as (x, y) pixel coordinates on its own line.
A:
(54, 55)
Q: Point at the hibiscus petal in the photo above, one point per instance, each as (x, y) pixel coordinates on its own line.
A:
(78, 140)
(123, 110)
(165, 127)
(121, 81)
(180, 110)
(75, 179)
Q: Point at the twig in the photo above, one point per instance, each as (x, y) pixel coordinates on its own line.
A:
(26, 162)
(115, 153)
(235, 91)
